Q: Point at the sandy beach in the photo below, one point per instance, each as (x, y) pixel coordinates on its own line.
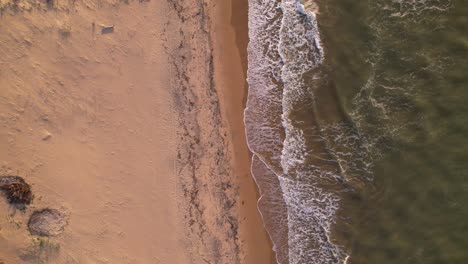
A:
(126, 116)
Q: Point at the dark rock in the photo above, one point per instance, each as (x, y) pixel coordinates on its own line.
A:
(107, 29)
(16, 190)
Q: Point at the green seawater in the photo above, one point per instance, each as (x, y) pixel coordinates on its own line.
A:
(398, 70)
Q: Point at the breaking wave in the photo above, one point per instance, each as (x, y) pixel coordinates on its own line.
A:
(298, 212)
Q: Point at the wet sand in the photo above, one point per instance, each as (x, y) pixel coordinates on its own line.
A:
(136, 132)
(231, 54)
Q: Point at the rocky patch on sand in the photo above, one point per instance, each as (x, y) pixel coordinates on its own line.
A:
(47, 222)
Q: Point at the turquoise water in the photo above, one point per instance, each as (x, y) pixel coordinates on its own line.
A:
(400, 73)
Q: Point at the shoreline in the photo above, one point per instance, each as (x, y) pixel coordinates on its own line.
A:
(214, 158)
(133, 132)
(233, 40)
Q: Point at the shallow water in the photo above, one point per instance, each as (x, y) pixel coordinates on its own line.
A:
(400, 71)
(362, 120)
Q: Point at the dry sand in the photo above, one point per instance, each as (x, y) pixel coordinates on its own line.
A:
(137, 134)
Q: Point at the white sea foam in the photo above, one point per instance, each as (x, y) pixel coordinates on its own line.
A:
(404, 8)
(272, 208)
(300, 49)
(311, 209)
(262, 120)
(263, 111)
(284, 45)
(311, 212)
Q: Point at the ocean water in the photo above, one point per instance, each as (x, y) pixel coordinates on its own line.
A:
(357, 118)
